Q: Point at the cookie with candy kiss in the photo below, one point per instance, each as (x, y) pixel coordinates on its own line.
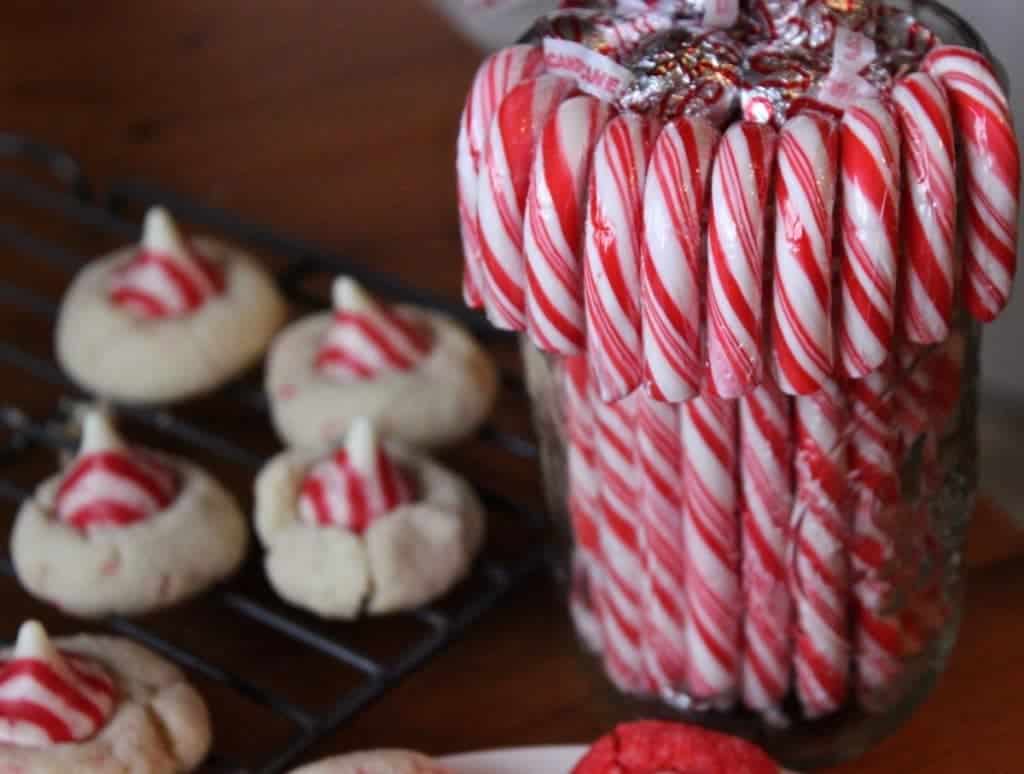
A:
(125, 530)
(168, 318)
(96, 705)
(367, 527)
(415, 373)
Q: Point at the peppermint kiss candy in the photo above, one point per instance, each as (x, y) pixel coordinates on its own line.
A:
(495, 78)
(48, 697)
(166, 277)
(110, 484)
(366, 339)
(684, 72)
(612, 34)
(810, 24)
(775, 77)
(355, 485)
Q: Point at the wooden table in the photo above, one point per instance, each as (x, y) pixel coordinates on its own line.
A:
(337, 122)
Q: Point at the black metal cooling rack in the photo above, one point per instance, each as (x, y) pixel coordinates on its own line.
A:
(48, 192)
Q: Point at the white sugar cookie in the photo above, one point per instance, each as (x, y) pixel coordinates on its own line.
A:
(440, 401)
(200, 539)
(159, 725)
(116, 353)
(405, 558)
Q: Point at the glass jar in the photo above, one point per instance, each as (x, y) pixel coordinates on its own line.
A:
(877, 484)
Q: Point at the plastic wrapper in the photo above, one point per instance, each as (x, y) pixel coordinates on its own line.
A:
(685, 72)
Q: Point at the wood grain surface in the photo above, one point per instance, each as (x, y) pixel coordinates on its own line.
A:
(336, 122)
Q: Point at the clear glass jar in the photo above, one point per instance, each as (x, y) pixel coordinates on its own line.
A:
(903, 551)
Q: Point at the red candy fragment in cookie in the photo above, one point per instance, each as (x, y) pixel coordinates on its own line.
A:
(654, 747)
(167, 277)
(366, 339)
(48, 697)
(355, 485)
(111, 484)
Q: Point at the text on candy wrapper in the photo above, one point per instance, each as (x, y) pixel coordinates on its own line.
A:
(594, 73)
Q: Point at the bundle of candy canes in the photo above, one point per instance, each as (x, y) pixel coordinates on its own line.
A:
(751, 230)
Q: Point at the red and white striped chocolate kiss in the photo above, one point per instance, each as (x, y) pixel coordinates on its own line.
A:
(355, 485)
(366, 338)
(48, 697)
(166, 277)
(110, 483)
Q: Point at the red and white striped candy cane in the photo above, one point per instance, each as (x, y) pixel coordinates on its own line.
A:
(501, 194)
(611, 254)
(714, 597)
(869, 225)
(766, 501)
(740, 184)
(556, 208)
(664, 556)
(672, 284)
(805, 186)
(583, 503)
(495, 77)
(879, 647)
(992, 161)
(821, 576)
(620, 575)
(928, 208)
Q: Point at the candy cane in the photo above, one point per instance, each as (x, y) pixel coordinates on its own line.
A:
(766, 498)
(620, 576)
(820, 588)
(495, 77)
(612, 254)
(992, 162)
(582, 481)
(869, 223)
(501, 194)
(664, 558)
(553, 232)
(673, 258)
(714, 598)
(929, 207)
(802, 312)
(739, 190)
(879, 641)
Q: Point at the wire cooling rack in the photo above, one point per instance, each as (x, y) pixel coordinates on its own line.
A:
(51, 222)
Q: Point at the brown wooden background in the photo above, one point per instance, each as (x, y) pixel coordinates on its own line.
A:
(336, 121)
